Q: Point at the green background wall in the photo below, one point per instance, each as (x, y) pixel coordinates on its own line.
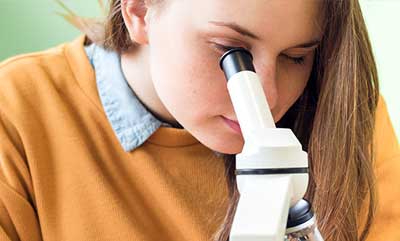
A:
(30, 25)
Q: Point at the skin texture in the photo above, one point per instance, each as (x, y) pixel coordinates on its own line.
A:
(175, 71)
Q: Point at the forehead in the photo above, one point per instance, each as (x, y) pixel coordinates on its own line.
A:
(283, 22)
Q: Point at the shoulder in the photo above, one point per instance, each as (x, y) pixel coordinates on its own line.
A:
(36, 79)
(385, 140)
(387, 172)
(32, 69)
(29, 63)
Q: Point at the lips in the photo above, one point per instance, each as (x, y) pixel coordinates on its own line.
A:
(232, 124)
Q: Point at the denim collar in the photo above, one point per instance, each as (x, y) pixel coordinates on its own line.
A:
(132, 123)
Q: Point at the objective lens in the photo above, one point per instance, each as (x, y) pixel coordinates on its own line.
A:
(309, 233)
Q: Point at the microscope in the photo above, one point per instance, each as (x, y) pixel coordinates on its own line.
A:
(272, 169)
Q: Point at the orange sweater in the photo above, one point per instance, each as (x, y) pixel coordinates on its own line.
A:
(64, 176)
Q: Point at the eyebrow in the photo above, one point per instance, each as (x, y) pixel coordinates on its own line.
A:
(243, 31)
(235, 27)
(308, 44)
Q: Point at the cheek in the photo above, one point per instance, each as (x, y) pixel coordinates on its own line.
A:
(292, 82)
(290, 85)
(187, 78)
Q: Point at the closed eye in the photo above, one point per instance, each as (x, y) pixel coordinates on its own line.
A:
(224, 48)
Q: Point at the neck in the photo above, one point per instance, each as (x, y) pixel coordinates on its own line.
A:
(136, 69)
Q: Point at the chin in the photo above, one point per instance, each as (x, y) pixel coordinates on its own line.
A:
(216, 135)
(223, 142)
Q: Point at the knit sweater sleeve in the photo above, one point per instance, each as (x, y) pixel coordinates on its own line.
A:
(18, 218)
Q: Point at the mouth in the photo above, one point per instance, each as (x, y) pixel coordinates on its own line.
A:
(234, 125)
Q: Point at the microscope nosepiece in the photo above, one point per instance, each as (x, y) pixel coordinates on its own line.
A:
(236, 60)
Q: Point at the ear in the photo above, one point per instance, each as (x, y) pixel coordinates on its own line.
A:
(134, 13)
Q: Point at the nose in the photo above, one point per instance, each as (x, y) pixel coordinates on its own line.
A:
(267, 74)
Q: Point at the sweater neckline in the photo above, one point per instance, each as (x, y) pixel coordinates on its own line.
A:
(171, 137)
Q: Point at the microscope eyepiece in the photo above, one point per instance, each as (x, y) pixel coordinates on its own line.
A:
(236, 60)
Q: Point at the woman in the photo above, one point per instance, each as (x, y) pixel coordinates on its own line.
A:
(118, 136)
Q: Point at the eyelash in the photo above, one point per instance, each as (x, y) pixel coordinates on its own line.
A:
(298, 60)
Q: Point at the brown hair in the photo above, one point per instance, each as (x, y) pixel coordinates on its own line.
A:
(334, 120)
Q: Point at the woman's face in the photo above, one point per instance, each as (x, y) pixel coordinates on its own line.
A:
(186, 42)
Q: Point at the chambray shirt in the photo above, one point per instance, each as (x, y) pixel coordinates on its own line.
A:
(131, 121)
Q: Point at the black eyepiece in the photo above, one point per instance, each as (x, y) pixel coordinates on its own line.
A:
(236, 60)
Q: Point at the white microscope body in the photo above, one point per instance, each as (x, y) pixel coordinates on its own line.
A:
(272, 169)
